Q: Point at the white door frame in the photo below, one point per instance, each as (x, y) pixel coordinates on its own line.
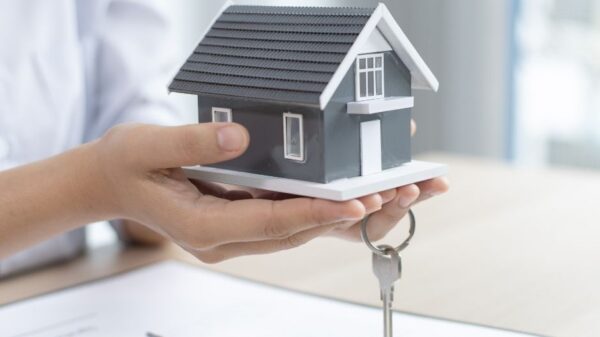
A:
(370, 147)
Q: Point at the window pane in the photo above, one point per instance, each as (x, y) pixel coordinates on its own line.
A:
(363, 85)
(370, 62)
(362, 63)
(220, 116)
(293, 143)
(370, 82)
(378, 61)
(378, 83)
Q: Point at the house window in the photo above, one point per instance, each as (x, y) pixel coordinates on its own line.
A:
(221, 115)
(293, 136)
(369, 77)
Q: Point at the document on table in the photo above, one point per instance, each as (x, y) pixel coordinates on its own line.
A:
(173, 299)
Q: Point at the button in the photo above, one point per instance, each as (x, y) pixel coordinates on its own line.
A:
(4, 148)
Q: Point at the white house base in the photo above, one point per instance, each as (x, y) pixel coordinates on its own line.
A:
(339, 190)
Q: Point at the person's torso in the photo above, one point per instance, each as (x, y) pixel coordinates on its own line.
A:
(42, 80)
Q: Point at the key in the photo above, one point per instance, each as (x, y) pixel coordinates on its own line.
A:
(388, 270)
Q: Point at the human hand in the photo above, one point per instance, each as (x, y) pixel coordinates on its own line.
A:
(140, 179)
(386, 208)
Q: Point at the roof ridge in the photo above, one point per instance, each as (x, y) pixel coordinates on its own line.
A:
(299, 6)
(300, 10)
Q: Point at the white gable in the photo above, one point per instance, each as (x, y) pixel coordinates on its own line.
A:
(376, 43)
(382, 23)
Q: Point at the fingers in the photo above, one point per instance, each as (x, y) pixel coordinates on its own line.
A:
(220, 191)
(209, 188)
(385, 220)
(387, 196)
(413, 127)
(233, 250)
(157, 147)
(223, 222)
(381, 222)
(392, 212)
(432, 188)
(237, 195)
(371, 204)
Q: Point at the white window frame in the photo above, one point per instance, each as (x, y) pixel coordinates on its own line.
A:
(216, 110)
(372, 70)
(286, 153)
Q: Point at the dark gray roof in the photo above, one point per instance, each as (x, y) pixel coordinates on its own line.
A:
(286, 54)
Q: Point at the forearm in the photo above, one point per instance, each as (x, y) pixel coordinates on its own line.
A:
(43, 199)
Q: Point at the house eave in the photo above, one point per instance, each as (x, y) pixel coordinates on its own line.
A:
(246, 98)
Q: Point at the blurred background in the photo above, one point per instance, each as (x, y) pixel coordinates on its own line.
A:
(520, 80)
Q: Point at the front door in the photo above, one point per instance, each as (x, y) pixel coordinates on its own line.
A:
(370, 147)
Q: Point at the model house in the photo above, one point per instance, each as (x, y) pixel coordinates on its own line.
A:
(326, 93)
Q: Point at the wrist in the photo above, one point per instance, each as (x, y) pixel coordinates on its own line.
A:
(93, 189)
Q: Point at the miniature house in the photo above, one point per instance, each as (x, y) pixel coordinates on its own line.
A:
(325, 93)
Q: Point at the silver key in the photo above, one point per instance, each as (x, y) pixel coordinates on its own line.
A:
(388, 270)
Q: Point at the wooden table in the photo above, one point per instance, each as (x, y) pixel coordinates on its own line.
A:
(507, 247)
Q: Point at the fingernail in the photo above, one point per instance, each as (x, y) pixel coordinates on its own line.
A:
(432, 194)
(230, 138)
(406, 201)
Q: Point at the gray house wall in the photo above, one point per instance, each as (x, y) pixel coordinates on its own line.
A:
(328, 155)
(265, 154)
(342, 141)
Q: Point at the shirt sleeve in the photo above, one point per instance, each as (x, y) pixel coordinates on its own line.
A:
(58, 249)
(130, 63)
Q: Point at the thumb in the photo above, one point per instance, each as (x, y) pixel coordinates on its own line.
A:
(196, 144)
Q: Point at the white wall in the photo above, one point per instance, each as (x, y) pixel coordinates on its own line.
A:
(465, 43)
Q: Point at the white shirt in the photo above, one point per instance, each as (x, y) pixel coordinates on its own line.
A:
(69, 70)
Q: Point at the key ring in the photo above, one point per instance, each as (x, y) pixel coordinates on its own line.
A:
(382, 250)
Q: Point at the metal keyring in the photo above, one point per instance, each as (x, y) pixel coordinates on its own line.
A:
(381, 250)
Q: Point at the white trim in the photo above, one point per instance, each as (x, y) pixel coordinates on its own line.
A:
(285, 138)
(225, 110)
(368, 70)
(422, 77)
(350, 57)
(338, 190)
(380, 105)
(376, 43)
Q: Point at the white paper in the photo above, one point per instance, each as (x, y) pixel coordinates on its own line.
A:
(174, 299)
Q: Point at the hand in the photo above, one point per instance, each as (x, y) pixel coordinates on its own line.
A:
(139, 179)
(386, 208)
(133, 173)
(389, 207)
